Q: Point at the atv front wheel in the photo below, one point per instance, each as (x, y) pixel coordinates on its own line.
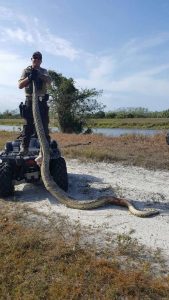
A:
(58, 171)
(6, 186)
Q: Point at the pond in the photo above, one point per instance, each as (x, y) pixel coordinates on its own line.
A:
(125, 131)
(105, 131)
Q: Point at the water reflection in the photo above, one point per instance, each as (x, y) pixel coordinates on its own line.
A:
(105, 131)
(10, 128)
(125, 131)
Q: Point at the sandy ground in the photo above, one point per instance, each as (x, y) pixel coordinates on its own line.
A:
(147, 189)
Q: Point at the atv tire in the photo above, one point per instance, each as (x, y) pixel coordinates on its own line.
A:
(58, 171)
(6, 174)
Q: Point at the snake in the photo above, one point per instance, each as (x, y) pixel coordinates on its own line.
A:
(60, 195)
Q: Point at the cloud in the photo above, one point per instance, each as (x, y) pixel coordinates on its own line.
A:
(123, 80)
(105, 66)
(10, 101)
(126, 74)
(6, 14)
(11, 66)
(143, 83)
(56, 46)
(141, 44)
(18, 34)
(30, 31)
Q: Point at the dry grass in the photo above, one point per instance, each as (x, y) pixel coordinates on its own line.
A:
(42, 258)
(48, 259)
(145, 151)
(6, 136)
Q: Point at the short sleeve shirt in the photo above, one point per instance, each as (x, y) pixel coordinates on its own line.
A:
(40, 84)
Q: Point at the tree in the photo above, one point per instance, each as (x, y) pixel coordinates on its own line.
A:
(71, 104)
(99, 115)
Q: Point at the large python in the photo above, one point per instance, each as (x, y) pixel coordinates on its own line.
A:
(58, 193)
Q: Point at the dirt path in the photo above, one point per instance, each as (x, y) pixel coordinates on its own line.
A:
(149, 189)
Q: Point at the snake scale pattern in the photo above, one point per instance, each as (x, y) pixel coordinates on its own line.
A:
(58, 193)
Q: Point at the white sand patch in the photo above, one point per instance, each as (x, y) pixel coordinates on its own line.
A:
(149, 189)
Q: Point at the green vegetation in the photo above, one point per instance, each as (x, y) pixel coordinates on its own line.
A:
(49, 258)
(80, 111)
(139, 123)
(142, 123)
(71, 105)
(138, 117)
(12, 122)
(10, 114)
(131, 112)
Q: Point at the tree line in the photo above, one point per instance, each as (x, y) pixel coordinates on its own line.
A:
(10, 114)
(131, 112)
(72, 107)
(120, 113)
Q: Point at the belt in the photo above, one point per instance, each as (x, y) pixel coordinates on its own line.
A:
(40, 98)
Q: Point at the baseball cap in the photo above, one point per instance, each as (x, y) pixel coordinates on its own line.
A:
(37, 54)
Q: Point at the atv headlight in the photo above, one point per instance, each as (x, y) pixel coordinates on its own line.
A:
(0, 161)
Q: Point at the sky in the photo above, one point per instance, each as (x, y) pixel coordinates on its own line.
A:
(118, 46)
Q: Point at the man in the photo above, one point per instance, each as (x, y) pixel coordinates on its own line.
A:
(42, 79)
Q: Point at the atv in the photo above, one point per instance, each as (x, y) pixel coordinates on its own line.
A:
(16, 168)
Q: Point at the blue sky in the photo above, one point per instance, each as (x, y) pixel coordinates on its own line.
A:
(119, 46)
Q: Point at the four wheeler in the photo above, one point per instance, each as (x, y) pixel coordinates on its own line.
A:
(16, 168)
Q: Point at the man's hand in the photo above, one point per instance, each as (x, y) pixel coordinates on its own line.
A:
(33, 75)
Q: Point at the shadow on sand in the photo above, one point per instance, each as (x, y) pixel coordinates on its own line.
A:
(81, 187)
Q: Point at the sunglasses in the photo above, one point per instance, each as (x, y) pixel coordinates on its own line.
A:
(36, 57)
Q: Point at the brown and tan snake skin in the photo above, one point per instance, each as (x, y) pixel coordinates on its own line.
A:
(59, 194)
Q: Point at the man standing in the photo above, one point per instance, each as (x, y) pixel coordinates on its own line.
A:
(42, 79)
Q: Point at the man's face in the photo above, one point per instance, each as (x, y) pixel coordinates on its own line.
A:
(36, 61)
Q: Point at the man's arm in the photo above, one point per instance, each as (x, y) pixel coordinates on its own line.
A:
(26, 79)
(23, 81)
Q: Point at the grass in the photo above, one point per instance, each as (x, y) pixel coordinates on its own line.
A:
(6, 136)
(20, 121)
(51, 259)
(144, 123)
(14, 122)
(150, 152)
(145, 151)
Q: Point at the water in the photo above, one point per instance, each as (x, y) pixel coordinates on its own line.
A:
(125, 131)
(104, 131)
(10, 128)
(120, 131)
